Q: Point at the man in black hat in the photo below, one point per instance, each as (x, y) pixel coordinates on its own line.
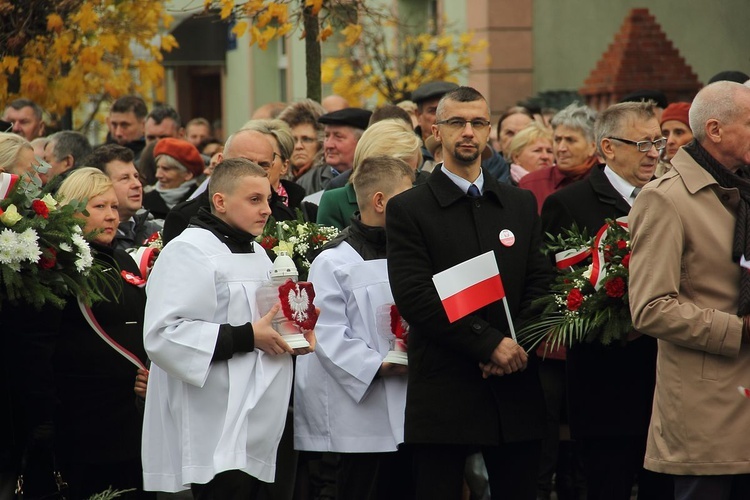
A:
(342, 131)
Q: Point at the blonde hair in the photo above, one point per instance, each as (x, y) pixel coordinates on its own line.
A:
(390, 137)
(83, 184)
(379, 173)
(528, 135)
(10, 150)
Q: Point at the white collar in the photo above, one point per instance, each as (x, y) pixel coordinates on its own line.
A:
(462, 183)
(621, 185)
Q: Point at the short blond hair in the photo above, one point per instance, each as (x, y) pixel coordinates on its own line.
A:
(10, 150)
(528, 135)
(83, 184)
(379, 173)
(390, 137)
(227, 173)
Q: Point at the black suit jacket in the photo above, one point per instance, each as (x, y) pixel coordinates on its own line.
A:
(610, 389)
(433, 227)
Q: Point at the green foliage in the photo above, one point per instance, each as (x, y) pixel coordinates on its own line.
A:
(574, 310)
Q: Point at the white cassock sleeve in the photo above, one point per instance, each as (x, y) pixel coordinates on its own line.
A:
(351, 360)
(180, 329)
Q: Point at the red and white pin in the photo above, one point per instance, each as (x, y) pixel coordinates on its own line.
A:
(507, 238)
(744, 391)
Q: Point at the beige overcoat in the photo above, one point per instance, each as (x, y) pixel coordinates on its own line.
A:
(684, 290)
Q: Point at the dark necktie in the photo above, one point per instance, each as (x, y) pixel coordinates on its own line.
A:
(635, 192)
(474, 191)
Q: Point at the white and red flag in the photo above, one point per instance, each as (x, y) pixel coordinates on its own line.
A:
(7, 182)
(471, 285)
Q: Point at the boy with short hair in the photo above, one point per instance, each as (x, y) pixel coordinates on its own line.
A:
(221, 376)
(347, 400)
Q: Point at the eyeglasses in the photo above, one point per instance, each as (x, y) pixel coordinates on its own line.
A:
(275, 154)
(460, 123)
(644, 146)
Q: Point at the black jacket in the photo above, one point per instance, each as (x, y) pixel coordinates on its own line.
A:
(99, 420)
(430, 228)
(154, 203)
(610, 389)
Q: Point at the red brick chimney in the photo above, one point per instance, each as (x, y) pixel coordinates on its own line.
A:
(641, 57)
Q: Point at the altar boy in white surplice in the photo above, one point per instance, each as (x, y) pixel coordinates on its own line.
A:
(347, 400)
(221, 376)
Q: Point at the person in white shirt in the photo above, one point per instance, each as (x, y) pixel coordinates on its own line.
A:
(221, 376)
(347, 399)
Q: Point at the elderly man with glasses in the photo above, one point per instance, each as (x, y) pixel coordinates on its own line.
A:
(610, 388)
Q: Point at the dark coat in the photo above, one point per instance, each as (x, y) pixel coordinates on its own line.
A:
(99, 420)
(154, 203)
(433, 227)
(610, 389)
(179, 217)
(294, 192)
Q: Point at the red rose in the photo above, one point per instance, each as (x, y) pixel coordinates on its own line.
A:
(40, 208)
(318, 238)
(622, 244)
(48, 258)
(575, 299)
(626, 261)
(268, 242)
(615, 287)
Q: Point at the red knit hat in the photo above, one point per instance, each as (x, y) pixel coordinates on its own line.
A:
(677, 111)
(182, 151)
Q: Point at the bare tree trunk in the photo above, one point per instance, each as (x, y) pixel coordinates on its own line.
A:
(312, 54)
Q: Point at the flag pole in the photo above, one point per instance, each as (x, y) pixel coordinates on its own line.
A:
(510, 320)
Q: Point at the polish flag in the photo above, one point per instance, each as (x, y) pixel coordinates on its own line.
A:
(469, 286)
(7, 181)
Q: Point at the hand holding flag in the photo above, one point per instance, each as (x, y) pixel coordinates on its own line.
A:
(471, 285)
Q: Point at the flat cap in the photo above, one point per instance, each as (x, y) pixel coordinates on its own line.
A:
(432, 90)
(730, 76)
(352, 117)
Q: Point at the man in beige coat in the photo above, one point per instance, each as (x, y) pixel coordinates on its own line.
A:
(690, 229)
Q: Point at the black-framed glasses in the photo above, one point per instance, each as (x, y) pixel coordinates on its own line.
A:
(644, 146)
(460, 123)
(275, 154)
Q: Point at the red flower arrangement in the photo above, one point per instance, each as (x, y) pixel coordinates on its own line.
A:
(588, 302)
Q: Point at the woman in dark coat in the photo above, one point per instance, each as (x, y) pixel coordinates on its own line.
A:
(99, 423)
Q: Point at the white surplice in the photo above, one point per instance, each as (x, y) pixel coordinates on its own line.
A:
(338, 405)
(205, 417)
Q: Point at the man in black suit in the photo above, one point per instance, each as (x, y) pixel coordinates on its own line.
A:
(610, 388)
(471, 387)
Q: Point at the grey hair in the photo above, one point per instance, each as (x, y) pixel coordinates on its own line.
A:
(68, 142)
(714, 101)
(172, 162)
(577, 117)
(611, 120)
(276, 128)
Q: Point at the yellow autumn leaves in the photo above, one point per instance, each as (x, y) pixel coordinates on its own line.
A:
(99, 46)
(390, 71)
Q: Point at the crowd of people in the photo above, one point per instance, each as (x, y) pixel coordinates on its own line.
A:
(213, 401)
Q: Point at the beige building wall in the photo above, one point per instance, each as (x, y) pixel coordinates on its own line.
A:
(504, 72)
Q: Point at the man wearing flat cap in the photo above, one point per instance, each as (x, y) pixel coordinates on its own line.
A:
(342, 131)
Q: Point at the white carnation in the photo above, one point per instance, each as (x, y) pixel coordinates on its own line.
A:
(65, 247)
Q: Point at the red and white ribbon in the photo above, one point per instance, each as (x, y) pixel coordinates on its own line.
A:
(569, 258)
(144, 257)
(94, 324)
(598, 271)
(7, 182)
